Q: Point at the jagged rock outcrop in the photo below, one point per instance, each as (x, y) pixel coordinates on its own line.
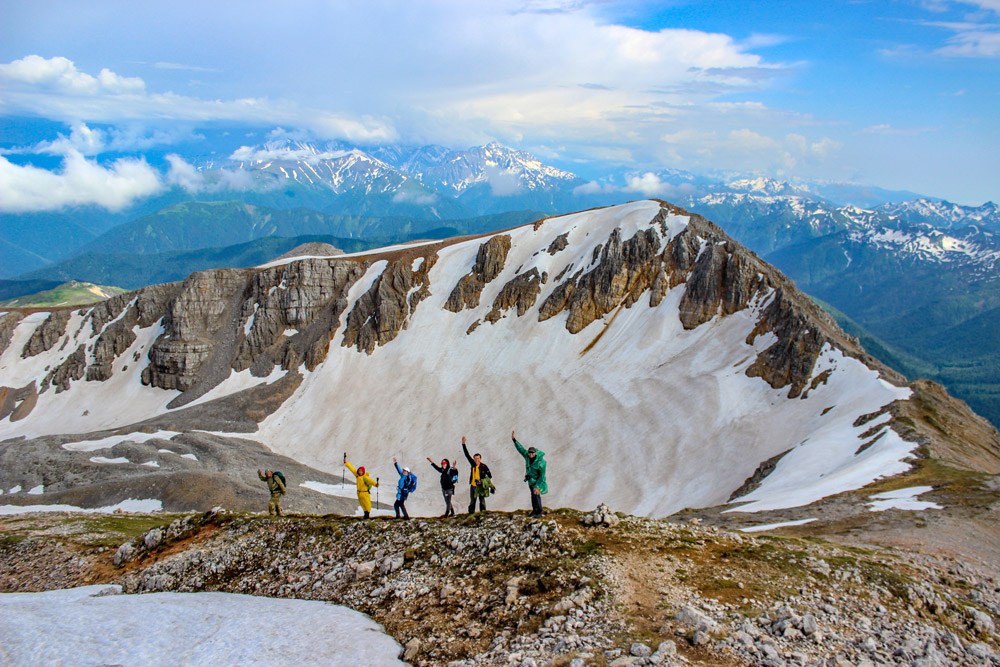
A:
(383, 311)
(489, 263)
(561, 242)
(199, 326)
(73, 368)
(291, 312)
(521, 292)
(8, 322)
(754, 480)
(47, 334)
(624, 270)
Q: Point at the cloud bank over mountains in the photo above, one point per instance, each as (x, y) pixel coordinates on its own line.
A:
(583, 85)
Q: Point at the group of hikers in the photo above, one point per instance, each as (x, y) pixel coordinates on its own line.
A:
(480, 482)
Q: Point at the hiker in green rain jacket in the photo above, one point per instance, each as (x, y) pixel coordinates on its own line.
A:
(534, 474)
(276, 488)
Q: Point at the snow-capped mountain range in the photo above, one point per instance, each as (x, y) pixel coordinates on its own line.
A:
(932, 230)
(391, 169)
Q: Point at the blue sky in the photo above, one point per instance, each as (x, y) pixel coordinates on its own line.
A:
(901, 94)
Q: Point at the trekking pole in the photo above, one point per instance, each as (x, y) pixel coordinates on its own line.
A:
(343, 470)
(376, 492)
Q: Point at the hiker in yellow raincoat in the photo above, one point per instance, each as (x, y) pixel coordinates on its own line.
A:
(365, 484)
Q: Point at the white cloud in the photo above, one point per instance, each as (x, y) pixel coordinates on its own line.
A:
(183, 174)
(414, 197)
(973, 44)
(648, 184)
(55, 88)
(80, 182)
(61, 75)
(594, 188)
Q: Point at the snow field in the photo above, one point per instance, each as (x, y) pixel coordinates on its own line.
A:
(97, 625)
(131, 505)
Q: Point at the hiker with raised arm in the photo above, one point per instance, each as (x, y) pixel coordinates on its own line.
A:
(449, 477)
(480, 480)
(407, 485)
(365, 484)
(534, 474)
(276, 485)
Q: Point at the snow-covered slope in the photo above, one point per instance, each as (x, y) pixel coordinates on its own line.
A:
(654, 360)
(97, 625)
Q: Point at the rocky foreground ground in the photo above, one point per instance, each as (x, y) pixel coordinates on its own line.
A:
(567, 589)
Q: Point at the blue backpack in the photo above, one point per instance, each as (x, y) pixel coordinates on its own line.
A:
(410, 485)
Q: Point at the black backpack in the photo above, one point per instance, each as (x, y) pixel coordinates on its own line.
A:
(280, 475)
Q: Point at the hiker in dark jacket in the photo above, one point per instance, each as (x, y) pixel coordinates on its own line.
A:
(407, 482)
(480, 480)
(449, 476)
(277, 489)
(534, 474)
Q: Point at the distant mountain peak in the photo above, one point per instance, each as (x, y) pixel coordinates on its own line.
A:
(767, 186)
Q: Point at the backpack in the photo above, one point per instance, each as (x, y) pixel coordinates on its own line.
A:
(454, 475)
(410, 485)
(280, 475)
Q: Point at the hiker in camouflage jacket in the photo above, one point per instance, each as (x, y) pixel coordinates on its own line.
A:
(276, 488)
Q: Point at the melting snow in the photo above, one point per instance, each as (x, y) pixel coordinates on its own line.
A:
(104, 459)
(347, 490)
(36, 490)
(98, 625)
(111, 441)
(903, 499)
(772, 526)
(131, 505)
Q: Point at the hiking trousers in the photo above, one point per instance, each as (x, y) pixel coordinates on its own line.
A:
(473, 496)
(448, 509)
(274, 505)
(365, 500)
(400, 505)
(536, 503)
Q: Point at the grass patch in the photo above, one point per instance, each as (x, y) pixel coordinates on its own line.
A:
(588, 548)
(10, 541)
(111, 530)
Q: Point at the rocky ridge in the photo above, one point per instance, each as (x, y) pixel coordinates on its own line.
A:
(551, 591)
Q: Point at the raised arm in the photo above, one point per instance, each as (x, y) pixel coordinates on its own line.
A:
(520, 448)
(350, 467)
(398, 469)
(434, 465)
(465, 450)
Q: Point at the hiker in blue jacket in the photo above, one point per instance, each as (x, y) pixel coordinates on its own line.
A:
(407, 484)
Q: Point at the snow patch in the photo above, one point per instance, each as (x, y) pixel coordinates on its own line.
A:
(99, 625)
(36, 490)
(145, 506)
(903, 499)
(104, 459)
(342, 491)
(111, 441)
(772, 526)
